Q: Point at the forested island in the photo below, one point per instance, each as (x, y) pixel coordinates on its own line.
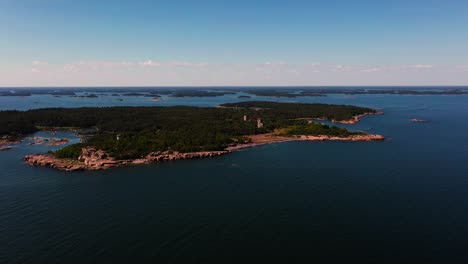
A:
(288, 93)
(133, 135)
(314, 92)
(284, 92)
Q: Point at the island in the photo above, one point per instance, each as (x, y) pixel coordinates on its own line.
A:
(314, 91)
(86, 95)
(200, 93)
(288, 93)
(278, 92)
(119, 136)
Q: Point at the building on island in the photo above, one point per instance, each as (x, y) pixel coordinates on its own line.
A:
(259, 123)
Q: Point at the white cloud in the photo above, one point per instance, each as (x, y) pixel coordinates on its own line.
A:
(375, 69)
(100, 64)
(150, 63)
(94, 65)
(463, 68)
(423, 66)
(393, 68)
(150, 72)
(40, 63)
(187, 64)
(274, 64)
(38, 66)
(343, 68)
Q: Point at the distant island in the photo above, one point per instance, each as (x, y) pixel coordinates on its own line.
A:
(314, 92)
(136, 135)
(241, 92)
(288, 93)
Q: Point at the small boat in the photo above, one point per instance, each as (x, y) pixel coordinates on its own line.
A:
(415, 120)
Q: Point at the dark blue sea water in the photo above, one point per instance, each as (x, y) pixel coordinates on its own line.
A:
(404, 200)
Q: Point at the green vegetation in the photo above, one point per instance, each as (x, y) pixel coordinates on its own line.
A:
(195, 93)
(283, 93)
(315, 129)
(70, 152)
(309, 91)
(46, 128)
(132, 132)
(15, 123)
(274, 110)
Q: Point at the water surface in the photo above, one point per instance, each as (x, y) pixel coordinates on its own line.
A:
(404, 199)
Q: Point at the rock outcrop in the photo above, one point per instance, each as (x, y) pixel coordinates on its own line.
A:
(58, 142)
(4, 148)
(47, 141)
(5, 141)
(48, 160)
(355, 118)
(166, 156)
(349, 138)
(7, 144)
(94, 159)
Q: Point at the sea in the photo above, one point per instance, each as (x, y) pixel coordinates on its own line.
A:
(403, 200)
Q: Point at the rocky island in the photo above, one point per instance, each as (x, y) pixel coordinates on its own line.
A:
(123, 136)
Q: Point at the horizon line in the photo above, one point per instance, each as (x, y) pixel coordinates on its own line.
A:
(229, 86)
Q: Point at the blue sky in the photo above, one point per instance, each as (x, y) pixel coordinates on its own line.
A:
(52, 42)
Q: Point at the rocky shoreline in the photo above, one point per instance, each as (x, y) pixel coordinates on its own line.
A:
(263, 139)
(93, 159)
(371, 137)
(355, 119)
(7, 144)
(4, 148)
(47, 141)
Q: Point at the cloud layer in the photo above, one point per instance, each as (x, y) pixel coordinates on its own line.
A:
(184, 73)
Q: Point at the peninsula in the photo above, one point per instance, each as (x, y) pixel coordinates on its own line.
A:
(120, 136)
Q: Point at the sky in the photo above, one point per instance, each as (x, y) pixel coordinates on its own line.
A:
(238, 43)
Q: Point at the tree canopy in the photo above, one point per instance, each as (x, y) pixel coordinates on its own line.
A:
(131, 132)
